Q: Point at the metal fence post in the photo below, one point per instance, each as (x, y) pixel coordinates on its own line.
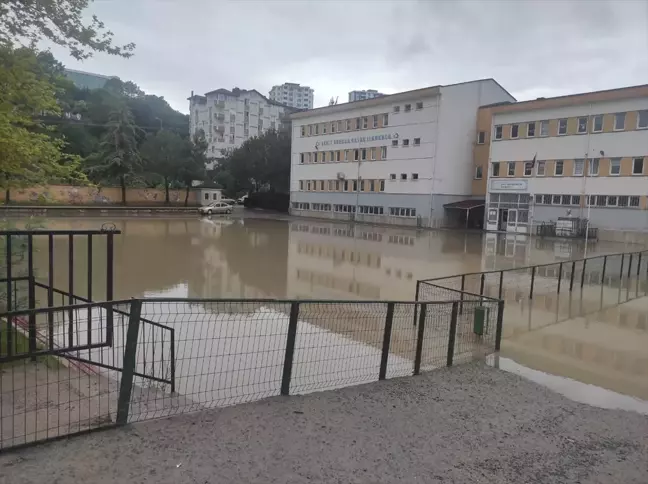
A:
(482, 283)
(416, 298)
(109, 286)
(639, 264)
(533, 269)
(461, 296)
(386, 341)
(31, 294)
(501, 285)
(621, 271)
(629, 268)
(419, 339)
(560, 270)
(10, 302)
(583, 274)
(173, 363)
(500, 324)
(453, 332)
(130, 358)
(290, 349)
(603, 272)
(571, 277)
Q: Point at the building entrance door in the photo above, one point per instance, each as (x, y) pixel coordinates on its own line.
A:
(511, 224)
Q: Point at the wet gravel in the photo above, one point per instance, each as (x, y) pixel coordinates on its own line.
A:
(468, 424)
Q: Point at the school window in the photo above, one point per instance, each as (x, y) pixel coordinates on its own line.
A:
(562, 126)
(385, 120)
(403, 176)
(330, 185)
(397, 109)
(308, 185)
(332, 156)
(408, 108)
(362, 185)
(593, 169)
(559, 168)
(357, 123)
(310, 129)
(481, 137)
(364, 154)
(321, 185)
(375, 121)
(642, 119)
(615, 166)
(339, 127)
(337, 185)
(566, 200)
(634, 201)
(414, 176)
(348, 125)
(515, 128)
(383, 152)
(575, 200)
(346, 185)
(303, 131)
(417, 141)
(496, 169)
(392, 176)
(579, 167)
(478, 173)
(582, 125)
(207, 194)
(373, 153)
(301, 157)
(511, 168)
(372, 186)
(531, 130)
(324, 128)
(346, 155)
(528, 168)
(405, 143)
(356, 155)
(612, 201)
(498, 132)
(333, 127)
(324, 157)
(394, 142)
(314, 158)
(597, 123)
(556, 200)
(544, 128)
(355, 185)
(365, 122)
(623, 201)
(638, 166)
(546, 199)
(419, 106)
(317, 129)
(382, 187)
(619, 121)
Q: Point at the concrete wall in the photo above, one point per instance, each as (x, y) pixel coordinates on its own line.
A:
(70, 195)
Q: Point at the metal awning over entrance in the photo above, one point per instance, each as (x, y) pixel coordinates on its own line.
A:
(465, 213)
(465, 204)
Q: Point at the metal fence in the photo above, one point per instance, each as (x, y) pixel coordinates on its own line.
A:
(159, 357)
(551, 292)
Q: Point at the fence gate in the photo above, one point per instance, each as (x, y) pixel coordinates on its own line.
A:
(61, 354)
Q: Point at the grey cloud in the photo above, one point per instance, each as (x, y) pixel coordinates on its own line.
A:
(532, 48)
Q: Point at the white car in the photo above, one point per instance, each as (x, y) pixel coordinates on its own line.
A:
(216, 207)
(228, 201)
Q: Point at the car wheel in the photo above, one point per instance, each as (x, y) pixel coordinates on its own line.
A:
(209, 212)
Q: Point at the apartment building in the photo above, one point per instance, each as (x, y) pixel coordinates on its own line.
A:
(362, 95)
(394, 159)
(228, 118)
(582, 155)
(294, 95)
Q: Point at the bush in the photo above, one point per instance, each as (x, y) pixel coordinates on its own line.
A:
(268, 200)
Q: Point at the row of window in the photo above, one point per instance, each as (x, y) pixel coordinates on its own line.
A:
(592, 200)
(362, 209)
(354, 124)
(362, 154)
(342, 185)
(578, 168)
(583, 125)
(340, 126)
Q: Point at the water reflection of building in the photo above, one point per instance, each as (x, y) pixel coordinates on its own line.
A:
(332, 260)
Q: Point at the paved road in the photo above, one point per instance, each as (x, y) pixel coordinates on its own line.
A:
(468, 424)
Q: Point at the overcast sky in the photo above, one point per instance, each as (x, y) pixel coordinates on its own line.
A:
(532, 48)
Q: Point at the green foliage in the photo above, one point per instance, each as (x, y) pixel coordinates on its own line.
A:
(164, 153)
(118, 158)
(28, 153)
(260, 164)
(59, 21)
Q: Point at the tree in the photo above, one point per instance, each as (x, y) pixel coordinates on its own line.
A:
(164, 152)
(59, 21)
(28, 153)
(118, 156)
(195, 162)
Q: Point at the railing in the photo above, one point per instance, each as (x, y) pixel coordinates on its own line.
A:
(169, 356)
(550, 290)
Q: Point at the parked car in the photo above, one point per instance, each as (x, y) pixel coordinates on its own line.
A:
(241, 200)
(216, 207)
(228, 201)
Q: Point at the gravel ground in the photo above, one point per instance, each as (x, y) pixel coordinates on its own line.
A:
(467, 424)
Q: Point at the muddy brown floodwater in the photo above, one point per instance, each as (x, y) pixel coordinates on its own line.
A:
(242, 257)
